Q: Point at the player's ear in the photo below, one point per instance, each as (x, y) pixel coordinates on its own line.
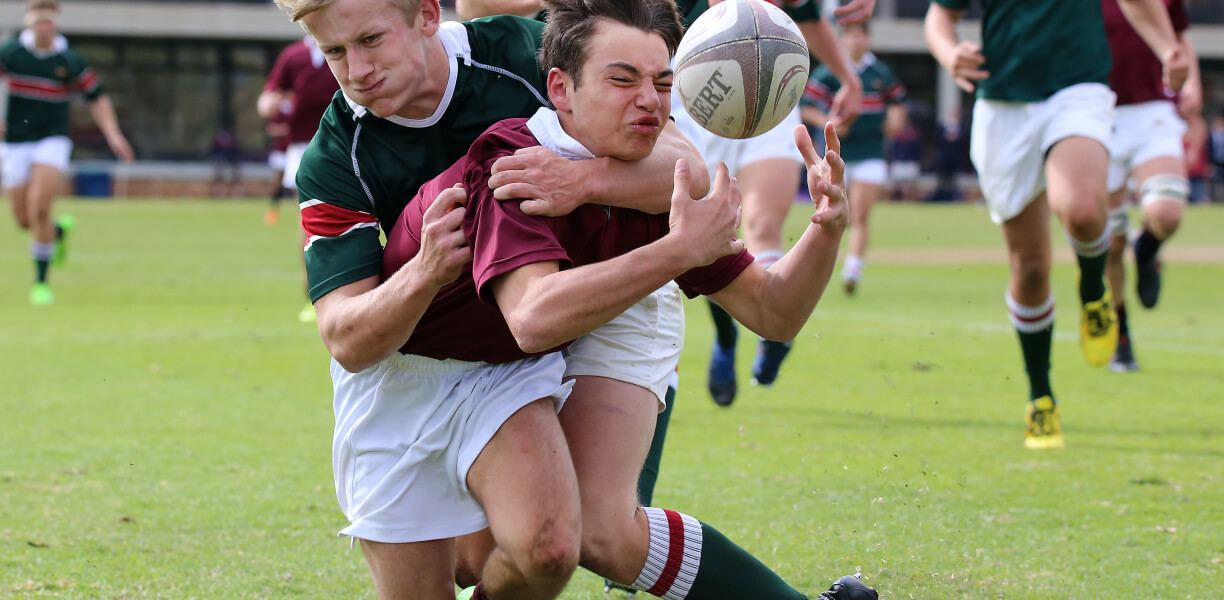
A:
(430, 13)
(559, 89)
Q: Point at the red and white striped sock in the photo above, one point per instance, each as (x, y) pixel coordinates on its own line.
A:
(674, 555)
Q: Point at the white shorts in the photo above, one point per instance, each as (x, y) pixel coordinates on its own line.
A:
(778, 142)
(873, 170)
(641, 346)
(905, 170)
(277, 160)
(293, 158)
(408, 430)
(52, 151)
(1009, 141)
(1142, 132)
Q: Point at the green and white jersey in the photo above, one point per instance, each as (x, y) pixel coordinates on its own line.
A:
(1034, 48)
(798, 10)
(41, 84)
(361, 170)
(865, 140)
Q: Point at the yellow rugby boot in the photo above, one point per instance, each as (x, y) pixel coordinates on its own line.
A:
(1044, 431)
(41, 295)
(1099, 330)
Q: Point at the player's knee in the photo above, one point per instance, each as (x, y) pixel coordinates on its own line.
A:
(1085, 221)
(553, 553)
(1163, 217)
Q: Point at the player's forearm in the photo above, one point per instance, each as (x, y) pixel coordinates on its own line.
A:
(939, 29)
(103, 113)
(646, 184)
(1194, 81)
(269, 103)
(1150, 19)
(780, 300)
(566, 305)
(822, 43)
(363, 323)
(472, 9)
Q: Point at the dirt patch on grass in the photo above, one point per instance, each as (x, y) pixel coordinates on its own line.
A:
(974, 256)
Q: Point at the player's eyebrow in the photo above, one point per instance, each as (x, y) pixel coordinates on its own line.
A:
(635, 71)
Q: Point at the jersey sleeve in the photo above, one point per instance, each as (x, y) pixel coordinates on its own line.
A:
(953, 4)
(715, 276)
(82, 77)
(894, 90)
(342, 234)
(280, 78)
(820, 88)
(501, 237)
(801, 10)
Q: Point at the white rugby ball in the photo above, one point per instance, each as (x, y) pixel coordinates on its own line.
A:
(741, 68)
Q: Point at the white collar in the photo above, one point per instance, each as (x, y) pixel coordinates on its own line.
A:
(546, 128)
(317, 58)
(455, 41)
(59, 44)
(866, 61)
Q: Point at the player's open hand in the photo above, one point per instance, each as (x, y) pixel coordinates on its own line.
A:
(444, 248)
(120, 146)
(548, 185)
(826, 179)
(965, 64)
(705, 228)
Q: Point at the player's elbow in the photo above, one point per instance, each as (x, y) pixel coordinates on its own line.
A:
(350, 358)
(529, 332)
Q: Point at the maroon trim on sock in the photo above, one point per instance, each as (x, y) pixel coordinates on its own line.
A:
(675, 554)
(1043, 316)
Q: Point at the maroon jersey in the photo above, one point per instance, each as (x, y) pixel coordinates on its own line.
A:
(463, 321)
(301, 70)
(1136, 74)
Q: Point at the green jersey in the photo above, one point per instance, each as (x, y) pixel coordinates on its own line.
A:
(41, 84)
(361, 170)
(798, 10)
(1034, 48)
(865, 140)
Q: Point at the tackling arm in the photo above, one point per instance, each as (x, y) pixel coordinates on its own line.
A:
(474, 9)
(556, 186)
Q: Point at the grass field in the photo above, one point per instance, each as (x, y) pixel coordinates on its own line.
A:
(165, 429)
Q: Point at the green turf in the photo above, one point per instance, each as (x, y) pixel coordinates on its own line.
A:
(166, 427)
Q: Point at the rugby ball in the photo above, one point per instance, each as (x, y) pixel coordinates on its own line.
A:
(741, 68)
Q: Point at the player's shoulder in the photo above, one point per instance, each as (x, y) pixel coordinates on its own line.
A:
(333, 141)
(10, 47)
(822, 74)
(501, 138)
(505, 37)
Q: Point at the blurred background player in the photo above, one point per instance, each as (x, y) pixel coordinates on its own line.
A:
(882, 114)
(1146, 148)
(43, 73)
(300, 75)
(1041, 125)
(278, 135)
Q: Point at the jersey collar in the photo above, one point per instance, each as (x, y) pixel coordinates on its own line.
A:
(59, 44)
(546, 128)
(867, 61)
(455, 40)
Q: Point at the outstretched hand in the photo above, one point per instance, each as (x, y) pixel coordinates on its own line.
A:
(826, 179)
(444, 250)
(706, 227)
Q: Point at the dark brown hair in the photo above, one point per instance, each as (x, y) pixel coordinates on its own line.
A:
(571, 24)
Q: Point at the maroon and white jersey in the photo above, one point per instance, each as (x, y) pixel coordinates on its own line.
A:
(463, 322)
(1136, 73)
(301, 70)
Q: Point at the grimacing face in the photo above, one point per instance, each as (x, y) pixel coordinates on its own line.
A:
(380, 57)
(623, 100)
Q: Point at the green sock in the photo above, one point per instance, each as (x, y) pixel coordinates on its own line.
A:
(650, 470)
(728, 572)
(41, 265)
(725, 327)
(1092, 256)
(1036, 348)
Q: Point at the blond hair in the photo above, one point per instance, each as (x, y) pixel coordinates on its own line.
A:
(300, 8)
(42, 5)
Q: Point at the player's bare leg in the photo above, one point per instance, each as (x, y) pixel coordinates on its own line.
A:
(862, 197)
(768, 189)
(524, 479)
(39, 195)
(1123, 359)
(416, 571)
(1030, 307)
(1076, 170)
(1163, 195)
